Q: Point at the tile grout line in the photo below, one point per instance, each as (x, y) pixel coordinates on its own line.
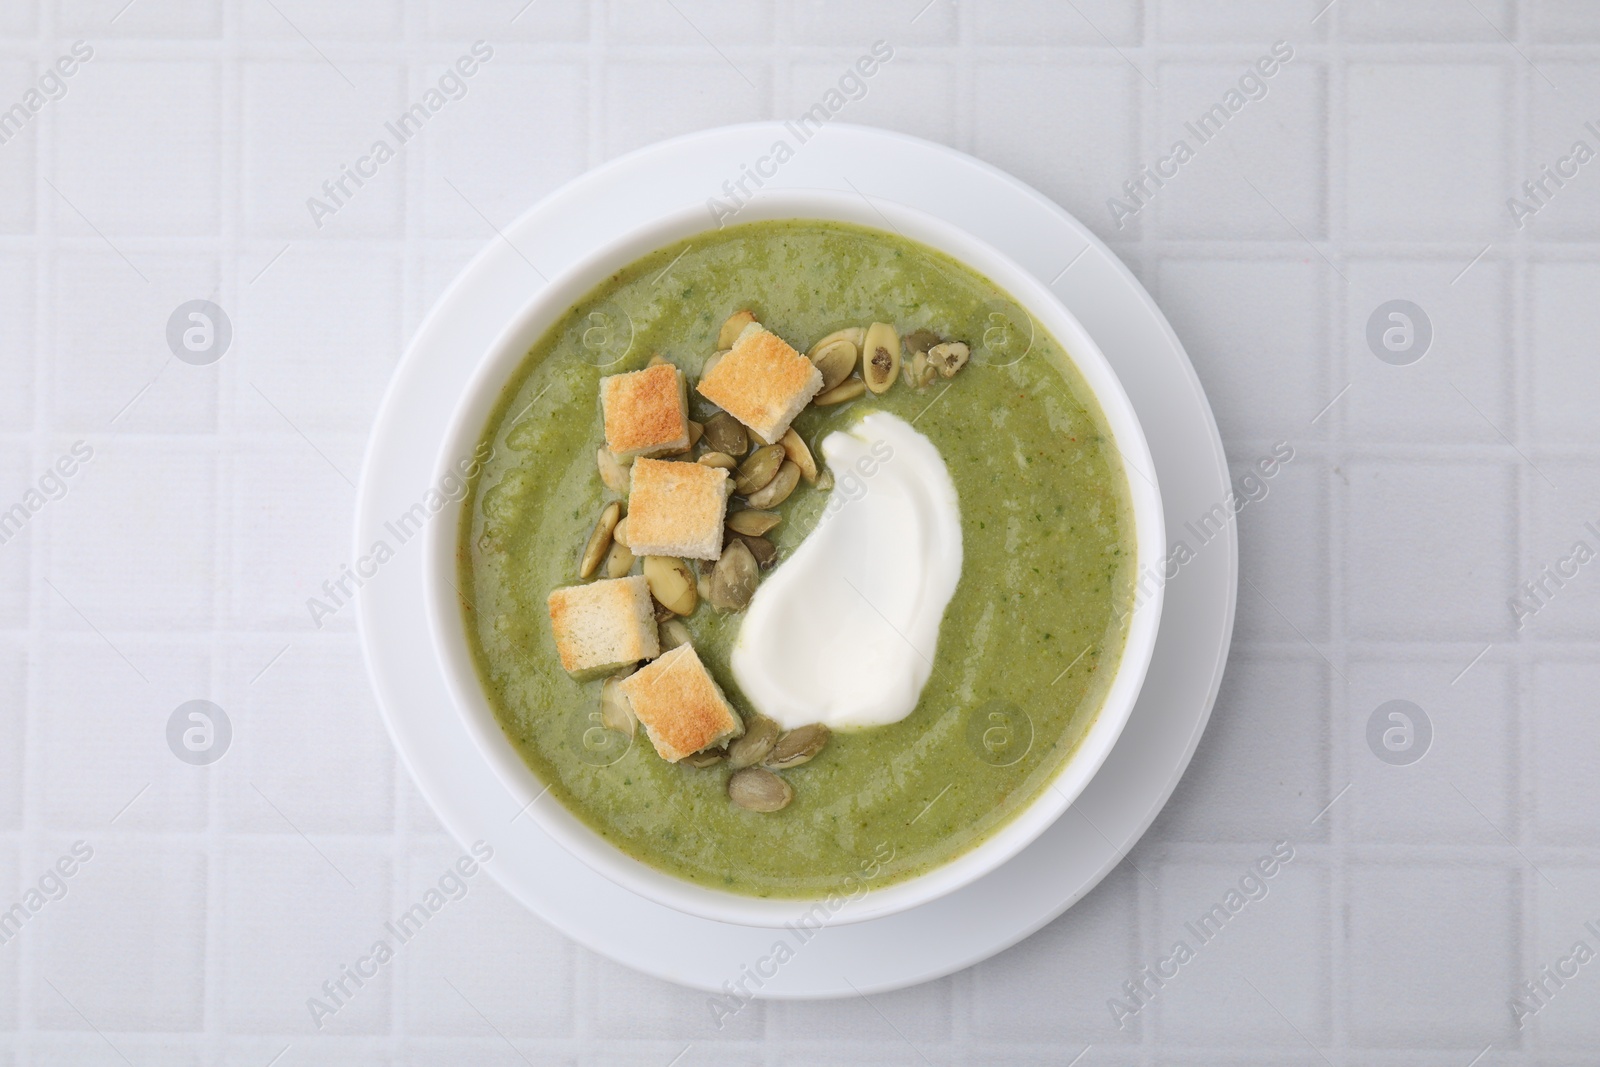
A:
(1335, 995)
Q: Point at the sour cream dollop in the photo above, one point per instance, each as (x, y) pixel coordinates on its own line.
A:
(844, 631)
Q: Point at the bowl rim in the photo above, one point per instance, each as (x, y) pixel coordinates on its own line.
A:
(449, 632)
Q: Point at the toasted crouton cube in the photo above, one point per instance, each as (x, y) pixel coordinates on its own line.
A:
(677, 509)
(645, 412)
(762, 382)
(604, 624)
(681, 705)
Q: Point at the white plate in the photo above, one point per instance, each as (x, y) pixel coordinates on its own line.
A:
(988, 915)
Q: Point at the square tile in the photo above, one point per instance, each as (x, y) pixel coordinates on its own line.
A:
(1557, 591)
(310, 386)
(1375, 20)
(19, 20)
(1459, 389)
(13, 733)
(133, 546)
(1235, 923)
(1092, 150)
(1554, 190)
(540, 22)
(500, 155)
(921, 1014)
(1565, 380)
(1563, 21)
(18, 148)
(1283, 544)
(1563, 730)
(725, 23)
(22, 500)
(647, 102)
(1428, 549)
(913, 97)
(626, 1005)
(1246, 20)
(112, 367)
(293, 922)
(1243, 130)
(1425, 150)
(102, 735)
(289, 528)
(1562, 1011)
(1053, 987)
(17, 296)
(842, 22)
(10, 949)
(508, 965)
(1461, 788)
(307, 20)
(132, 912)
(1254, 329)
(1041, 22)
(1261, 771)
(276, 781)
(161, 121)
(116, 18)
(1430, 954)
(301, 126)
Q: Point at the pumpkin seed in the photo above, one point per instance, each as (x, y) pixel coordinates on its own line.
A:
(616, 713)
(921, 340)
(759, 469)
(760, 734)
(776, 491)
(673, 634)
(657, 360)
(756, 440)
(754, 789)
(620, 534)
(853, 334)
(919, 372)
(700, 760)
(948, 358)
(724, 433)
(765, 552)
(795, 448)
(619, 561)
(848, 389)
(600, 540)
(880, 357)
(732, 328)
(754, 523)
(612, 472)
(696, 431)
(719, 459)
(797, 746)
(835, 360)
(734, 578)
(671, 583)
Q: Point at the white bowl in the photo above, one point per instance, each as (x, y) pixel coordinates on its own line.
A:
(449, 630)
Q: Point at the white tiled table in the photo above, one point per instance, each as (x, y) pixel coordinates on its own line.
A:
(178, 562)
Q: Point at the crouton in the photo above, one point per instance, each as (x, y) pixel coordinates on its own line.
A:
(762, 382)
(645, 412)
(677, 509)
(604, 624)
(680, 705)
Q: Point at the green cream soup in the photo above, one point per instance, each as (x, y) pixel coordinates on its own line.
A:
(1028, 643)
